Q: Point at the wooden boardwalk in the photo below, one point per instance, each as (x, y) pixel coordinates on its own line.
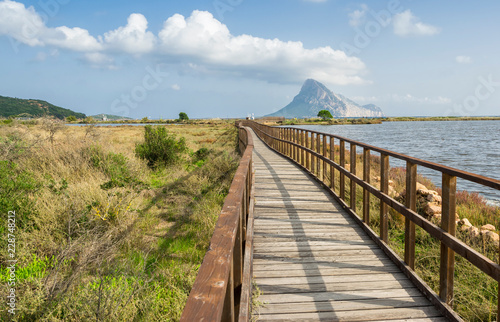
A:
(312, 262)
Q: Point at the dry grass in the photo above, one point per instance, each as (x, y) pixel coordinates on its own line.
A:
(100, 235)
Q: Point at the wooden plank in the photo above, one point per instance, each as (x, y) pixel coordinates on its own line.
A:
(354, 305)
(337, 296)
(360, 315)
(366, 265)
(321, 271)
(309, 251)
(308, 280)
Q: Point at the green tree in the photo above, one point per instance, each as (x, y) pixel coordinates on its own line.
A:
(325, 115)
(71, 118)
(183, 116)
(160, 147)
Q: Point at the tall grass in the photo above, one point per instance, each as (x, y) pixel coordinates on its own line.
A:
(100, 235)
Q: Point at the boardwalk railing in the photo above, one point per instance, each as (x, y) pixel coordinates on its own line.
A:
(222, 289)
(315, 152)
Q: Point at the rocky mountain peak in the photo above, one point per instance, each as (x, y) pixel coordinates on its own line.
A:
(314, 96)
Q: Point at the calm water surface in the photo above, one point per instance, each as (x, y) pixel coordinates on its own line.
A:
(472, 146)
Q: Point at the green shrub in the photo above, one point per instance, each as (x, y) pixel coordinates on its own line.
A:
(113, 165)
(160, 147)
(15, 195)
(183, 117)
(325, 114)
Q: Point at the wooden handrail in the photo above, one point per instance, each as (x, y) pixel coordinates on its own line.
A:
(222, 289)
(309, 156)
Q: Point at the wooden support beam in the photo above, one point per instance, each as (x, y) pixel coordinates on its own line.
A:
(411, 203)
(342, 164)
(366, 178)
(353, 171)
(448, 224)
(384, 187)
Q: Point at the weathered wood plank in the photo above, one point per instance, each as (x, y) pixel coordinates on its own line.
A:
(337, 296)
(345, 305)
(360, 315)
(311, 259)
(299, 271)
(335, 287)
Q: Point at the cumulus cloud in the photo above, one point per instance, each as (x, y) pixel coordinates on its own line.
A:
(204, 40)
(463, 59)
(75, 39)
(176, 87)
(358, 16)
(21, 23)
(406, 24)
(199, 40)
(133, 38)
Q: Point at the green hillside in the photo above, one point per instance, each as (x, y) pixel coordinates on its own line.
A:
(35, 108)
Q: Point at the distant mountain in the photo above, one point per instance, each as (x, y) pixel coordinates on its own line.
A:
(33, 108)
(109, 117)
(314, 97)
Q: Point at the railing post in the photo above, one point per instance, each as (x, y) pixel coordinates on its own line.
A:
(228, 310)
(448, 224)
(308, 156)
(332, 169)
(318, 160)
(313, 161)
(411, 203)
(296, 140)
(342, 164)
(294, 148)
(366, 193)
(384, 187)
(325, 155)
(288, 142)
(353, 171)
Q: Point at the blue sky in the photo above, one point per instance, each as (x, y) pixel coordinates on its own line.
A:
(230, 58)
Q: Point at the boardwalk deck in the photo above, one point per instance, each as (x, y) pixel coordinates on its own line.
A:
(311, 260)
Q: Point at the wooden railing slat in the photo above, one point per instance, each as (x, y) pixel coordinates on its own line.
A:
(447, 269)
(366, 178)
(353, 183)
(411, 203)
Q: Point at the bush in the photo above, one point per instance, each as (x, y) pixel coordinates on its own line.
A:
(71, 118)
(183, 116)
(160, 147)
(325, 114)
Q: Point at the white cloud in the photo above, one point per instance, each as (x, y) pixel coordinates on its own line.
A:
(463, 59)
(21, 23)
(358, 16)
(176, 87)
(199, 40)
(203, 40)
(133, 38)
(75, 39)
(100, 60)
(406, 24)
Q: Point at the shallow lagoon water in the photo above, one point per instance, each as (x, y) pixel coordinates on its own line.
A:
(472, 146)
